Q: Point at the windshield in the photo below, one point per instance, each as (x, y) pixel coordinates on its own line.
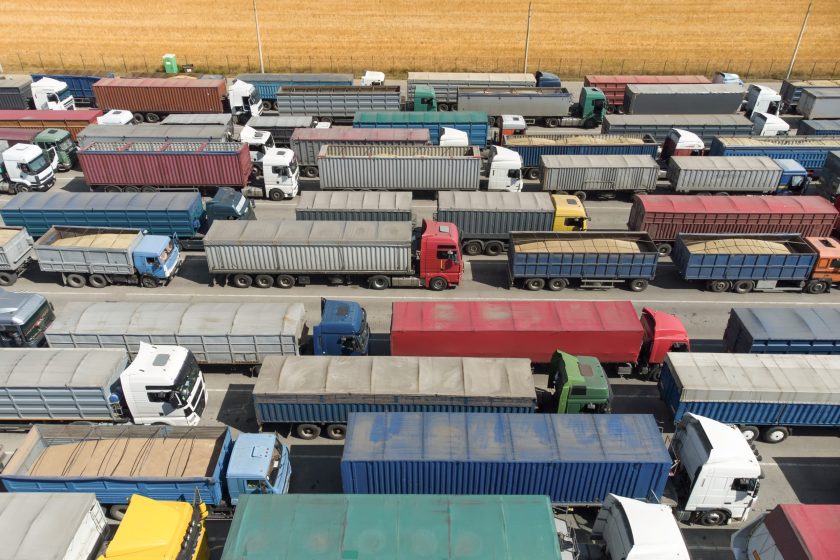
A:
(187, 378)
(39, 163)
(65, 94)
(38, 323)
(167, 252)
(66, 145)
(293, 166)
(364, 337)
(240, 206)
(255, 98)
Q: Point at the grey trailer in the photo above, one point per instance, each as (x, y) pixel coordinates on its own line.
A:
(406, 168)
(281, 127)
(15, 253)
(697, 99)
(724, 174)
(181, 119)
(82, 250)
(534, 104)
(337, 103)
(658, 126)
(602, 175)
(355, 206)
(15, 91)
(216, 333)
(791, 90)
(830, 175)
(819, 103)
(146, 132)
(446, 84)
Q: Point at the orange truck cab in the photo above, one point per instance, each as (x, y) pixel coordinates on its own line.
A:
(440, 264)
(826, 271)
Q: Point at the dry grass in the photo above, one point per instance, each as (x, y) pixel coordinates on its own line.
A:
(569, 36)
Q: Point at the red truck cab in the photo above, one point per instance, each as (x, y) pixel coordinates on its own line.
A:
(663, 333)
(440, 264)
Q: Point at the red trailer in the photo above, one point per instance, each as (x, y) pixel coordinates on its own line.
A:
(71, 121)
(159, 95)
(613, 86)
(611, 331)
(664, 216)
(151, 166)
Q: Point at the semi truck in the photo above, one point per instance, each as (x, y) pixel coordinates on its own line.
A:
(25, 167)
(665, 216)
(381, 254)
(531, 148)
(789, 532)
(268, 84)
(601, 176)
(783, 330)
(281, 127)
(695, 99)
(819, 103)
(71, 121)
(161, 385)
(485, 329)
(791, 91)
(307, 142)
(551, 107)
(151, 99)
(809, 151)
(336, 103)
(446, 85)
(766, 395)
(736, 174)
(20, 92)
(24, 318)
(614, 87)
(485, 219)
(658, 126)
(52, 140)
(99, 257)
(174, 214)
(79, 86)
(158, 462)
(15, 253)
(375, 206)
(592, 259)
(152, 166)
(754, 262)
(474, 124)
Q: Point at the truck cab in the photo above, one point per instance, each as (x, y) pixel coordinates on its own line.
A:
(592, 106)
(569, 213)
(681, 142)
(794, 179)
(343, 330)
(727, 78)
(580, 384)
(547, 79)
(762, 99)
(425, 99)
(715, 474)
(51, 94)
(26, 167)
(162, 385)
(827, 268)
(245, 100)
(59, 142)
(663, 333)
(504, 170)
(765, 124)
(24, 319)
(259, 141)
(229, 204)
(156, 259)
(259, 464)
(441, 264)
(280, 173)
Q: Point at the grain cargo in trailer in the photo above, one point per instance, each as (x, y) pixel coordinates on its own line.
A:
(809, 151)
(601, 176)
(695, 99)
(783, 330)
(615, 86)
(379, 206)
(658, 126)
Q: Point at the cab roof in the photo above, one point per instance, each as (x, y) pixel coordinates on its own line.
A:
(827, 247)
(251, 456)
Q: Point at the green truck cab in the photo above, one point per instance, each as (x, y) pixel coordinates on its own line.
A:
(425, 99)
(59, 140)
(592, 106)
(580, 385)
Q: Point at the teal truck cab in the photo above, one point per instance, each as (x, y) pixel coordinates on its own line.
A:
(24, 317)
(343, 330)
(229, 204)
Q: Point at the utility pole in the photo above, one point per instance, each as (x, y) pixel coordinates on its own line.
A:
(799, 40)
(259, 39)
(527, 38)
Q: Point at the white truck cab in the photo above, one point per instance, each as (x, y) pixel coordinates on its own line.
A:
(762, 99)
(51, 94)
(280, 174)
(116, 116)
(26, 167)
(681, 142)
(373, 78)
(258, 141)
(727, 78)
(765, 124)
(453, 137)
(245, 100)
(504, 170)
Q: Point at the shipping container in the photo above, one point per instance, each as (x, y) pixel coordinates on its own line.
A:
(14, 136)
(161, 95)
(819, 103)
(819, 128)
(336, 103)
(390, 167)
(15, 91)
(691, 174)
(809, 151)
(71, 121)
(447, 84)
(574, 459)
(790, 532)
(695, 99)
(318, 526)
(216, 333)
(281, 127)
(80, 87)
(267, 84)
(354, 206)
(658, 126)
(15, 253)
(598, 175)
(146, 132)
(474, 124)
(665, 216)
(783, 330)
(614, 86)
(791, 90)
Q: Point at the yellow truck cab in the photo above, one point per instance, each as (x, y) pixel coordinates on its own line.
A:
(569, 213)
(160, 530)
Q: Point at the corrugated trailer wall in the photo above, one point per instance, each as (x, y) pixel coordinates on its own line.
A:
(819, 128)
(307, 142)
(337, 101)
(809, 151)
(475, 124)
(354, 206)
(658, 126)
(530, 148)
(495, 214)
(783, 330)
(598, 173)
(722, 173)
(167, 95)
(697, 99)
(528, 102)
(614, 86)
(71, 121)
(791, 91)
(573, 459)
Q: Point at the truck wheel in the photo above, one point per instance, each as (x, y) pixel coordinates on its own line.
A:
(534, 284)
(557, 284)
(117, 511)
(97, 281)
(20, 187)
(638, 284)
(307, 431)
(263, 281)
(147, 281)
(75, 280)
(581, 195)
(472, 248)
(817, 287)
(493, 248)
(138, 118)
(112, 188)
(664, 249)
(7, 278)
(443, 106)
(276, 195)
(148, 188)
(336, 431)
(132, 189)
(311, 172)
(552, 122)
(152, 117)
(242, 280)
(532, 173)
(775, 434)
(285, 281)
(713, 518)
(750, 433)
(718, 286)
(266, 105)
(378, 282)
(438, 284)
(743, 286)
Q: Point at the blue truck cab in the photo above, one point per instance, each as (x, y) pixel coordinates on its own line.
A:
(343, 330)
(794, 177)
(547, 79)
(259, 464)
(156, 259)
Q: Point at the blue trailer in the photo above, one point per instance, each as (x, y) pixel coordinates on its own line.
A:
(475, 124)
(809, 151)
(159, 462)
(592, 259)
(783, 330)
(813, 127)
(268, 84)
(80, 86)
(573, 459)
(764, 394)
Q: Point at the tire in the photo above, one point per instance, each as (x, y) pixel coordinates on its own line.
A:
(750, 433)
(263, 281)
(138, 118)
(717, 286)
(557, 284)
(713, 518)
(532, 173)
(336, 431)
(242, 280)
(276, 195)
(472, 248)
(112, 188)
(722, 193)
(534, 284)
(75, 280)
(311, 172)
(147, 281)
(307, 431)
(664, 249)
(148, 189)
(97, 281)
(581, 195)
(152, 117)
(438, 284)
(132, 189)
(743, 286)
(552, 122)
(493, 248)
(117, 511)
(443, 106)
(817, 287)
(379, 282)
(7, 278)
(637, 284)
(285, 281)
(266, 105)
(775, 434)
(20, 187)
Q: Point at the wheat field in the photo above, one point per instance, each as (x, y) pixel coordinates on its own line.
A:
(570, 37)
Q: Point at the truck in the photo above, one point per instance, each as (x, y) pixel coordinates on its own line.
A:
(375, 206)
(819, 103)
(417, 168)
(762, 99)
(79, 86)
(268, 84)
(822, 127)
(15, 253)
(281, 127)
(809, 151)
(159, 462)
(830, 176)
(71, 121)
(551, 107)
(53, 140)
(24, 318)
(600, 176)
(474, 124)
(381, 254)
(614, 86)
(161, 385)
(755, 262)
(307, 142)
(336, 103)
(765, 395)
(736, 175)
(791, 91)
(151, 166)
(151, 99)
(665, 216)
(782, 330)
(343, 526)
(590, 259)
(531, 148)
(492, 329)
(200, 119)
(789, 532)
(99, 257)
(174, 214)
(25, 167)
(446, 85)
(658, 126)
(697, 99)
(485, 219)
(20, 92)
(147, 132)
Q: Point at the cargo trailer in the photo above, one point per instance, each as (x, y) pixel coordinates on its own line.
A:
(537, 329)
(783, 330)
(315, 526)
(819, 103)
(485, 219)
(71, 121)
(336, 104)
(268, 84)
(532, 147)
(694, 99)
(80, 86)
(15, 92)
(789, 532)
(665, 216)
(734, 175)
(544, 106)
(200, 119)
(281, 127)
(216, 333)
(830, 175)
(15, 253)
(590, 259)
(381, 254)
(379, 206)
(658, 126)
(601, 176)
(764, 394)
(809, 127)
(791, 91)
(472, 123)
(808, 151)
(158, 462)
(147, 132)
(447, 84)
(615, 86)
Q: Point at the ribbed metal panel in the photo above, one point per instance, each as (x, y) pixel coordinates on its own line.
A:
(475, 124)
(166, 95)
(614, 86)
(145, 132)
(493, 215)
(819, 128)
(267, 84)
(354, 206)
(598, 173)
(342, 102)
(723, 173)
(791, 90)
(71, 121)
(85, 259)
(809, 151)
(530, 148)
(528, 102)
(446, 84)
(573, 459)
(819, 103)
(675, 99)
(783, 330)
(307, 142)
(658, 126)
(16, 250)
